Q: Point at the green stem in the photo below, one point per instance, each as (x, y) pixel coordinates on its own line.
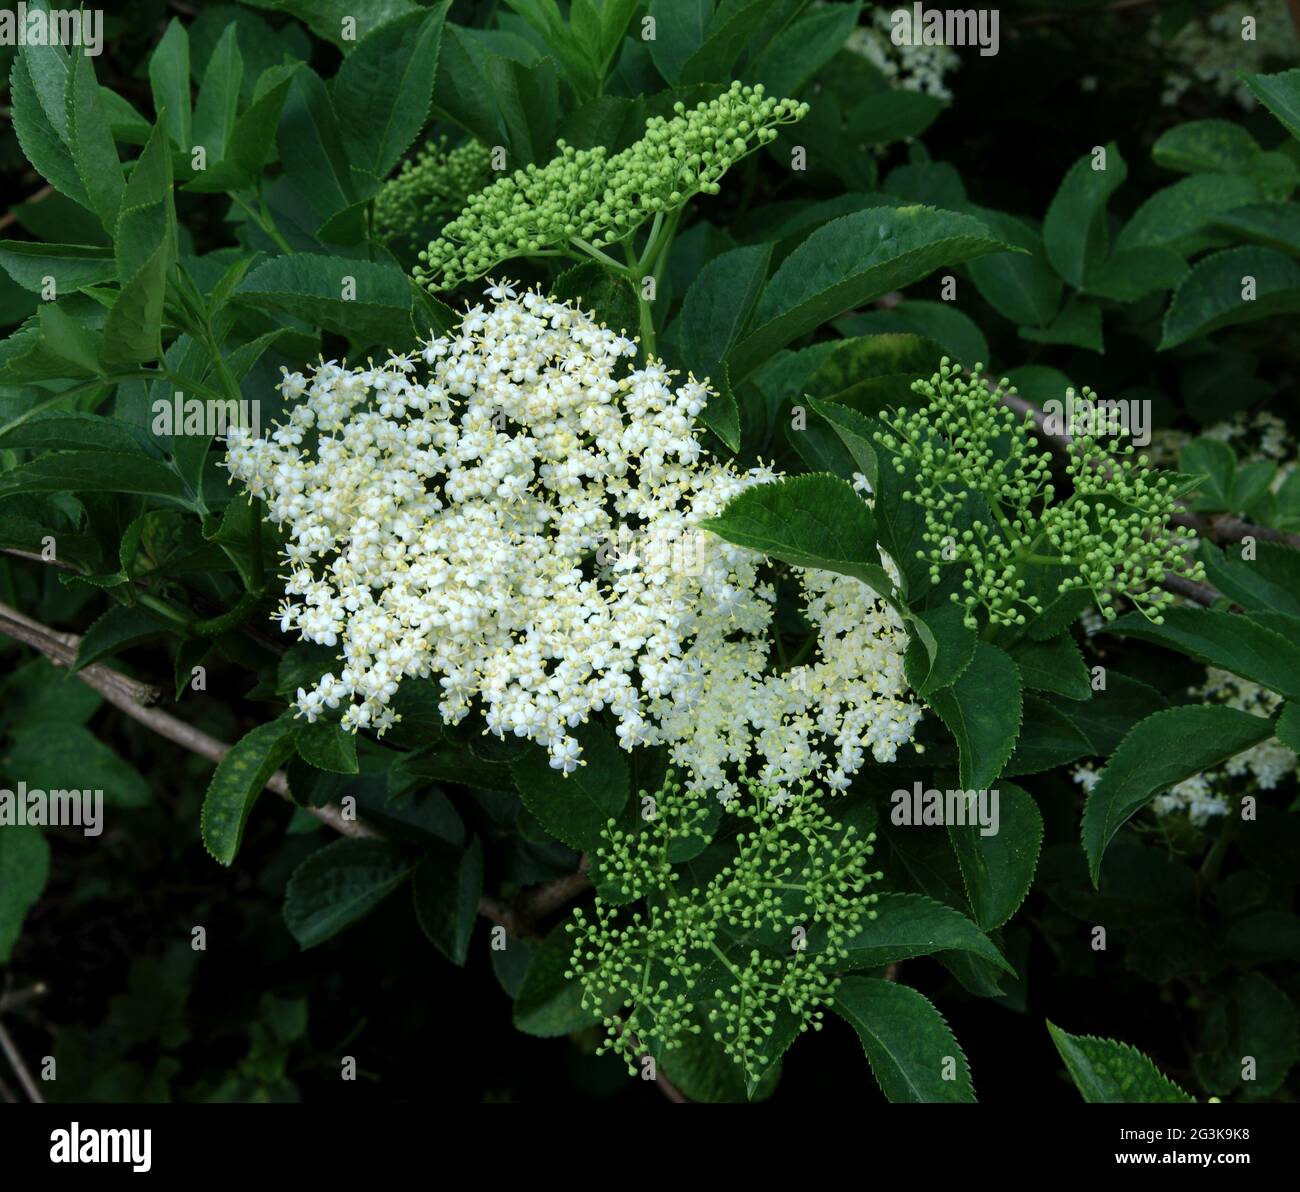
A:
(592, 251)
(264, 220)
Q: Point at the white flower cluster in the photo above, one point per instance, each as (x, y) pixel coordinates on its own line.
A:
(1264, 766)
(1213, 50)
(474, 526)
(907, 67)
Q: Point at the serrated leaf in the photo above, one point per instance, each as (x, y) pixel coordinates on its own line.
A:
(575, 808)
(94, 471)
(548, 1004)
(908, 925)
(912, 1052)
(327, 747)
(1280, 93)
(1211, 296)
(118, 629)
(998, 869)
(1158, 752)
(339, 884)
(240, 777)
(1106, 1070)
(383, 88)
(1230, 642)
(1074, 229)
(814, 520)
(446, 889)
(982, 711)
(1053, 665)
(847, 263)
(311, 286)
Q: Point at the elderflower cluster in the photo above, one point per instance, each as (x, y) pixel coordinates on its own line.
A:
(520, 519)
(907, 67)
(658, 956)
(988, 499)
(586, 198)
(1262, 767)
(429, 190)
(1212, 50)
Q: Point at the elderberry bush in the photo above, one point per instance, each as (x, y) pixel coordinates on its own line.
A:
(623, 549)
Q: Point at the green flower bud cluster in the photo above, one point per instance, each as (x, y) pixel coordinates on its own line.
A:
(988, 497)
(752, 950)
(429, 190)
(585, 198)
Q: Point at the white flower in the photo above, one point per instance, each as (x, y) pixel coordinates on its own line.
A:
(521, 525)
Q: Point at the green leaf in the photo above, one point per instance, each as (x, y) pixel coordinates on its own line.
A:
(1074, 230)
(1049, 737)
(1205, 146)
(913, 1055)
(908, 925)
(1280, 93)
(576, 807)
(718, 305)
(312, 148)
(854, 431)
(327, 747)
(1053, 665)
(91, 142)
(251, 141)
(1212, 294)
(1255, 1019)
(239, 779)
(1178, 217)
(1158, 752)
(1274, 225)
(169, 79)
(339, 884)
(954, 650)
(24, 869)
(1288, 726)
(311, 286)
(38, 84)
(548, 1004)
(72, 266)
(94, 471)
(118, 629)
(982, 711)
(1268, 582)
(998, 869)
(1108, 1071)
(800, 50)
(849, 262)
(1020, 286)
(608, 297)
(1078, 324)
(218, 102)
(680, 29)
(1225, 640)
(814, 520)
(382, 90)
(54, 757)
(1106, 718)
(447, 889)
